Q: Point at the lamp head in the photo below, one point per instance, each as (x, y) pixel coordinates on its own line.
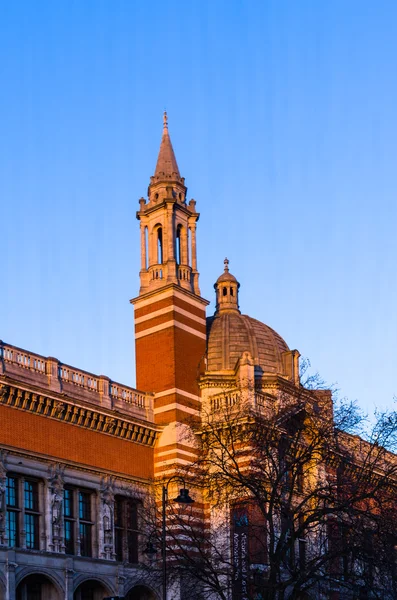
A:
(150, 549)
(183, 497)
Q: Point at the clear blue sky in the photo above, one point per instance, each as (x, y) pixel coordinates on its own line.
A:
(283, 119)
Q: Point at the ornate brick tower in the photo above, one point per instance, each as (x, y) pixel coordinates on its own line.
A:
(170, 330)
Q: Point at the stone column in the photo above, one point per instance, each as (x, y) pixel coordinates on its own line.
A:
(193, 242)
(121, 579)
(184, 248)
(69, 572)
(152, 253)
(11, 565)
(143, 248)
(43, 531)
(170, 233)
(171, 262)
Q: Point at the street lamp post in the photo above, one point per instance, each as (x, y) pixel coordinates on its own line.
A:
(182, 498)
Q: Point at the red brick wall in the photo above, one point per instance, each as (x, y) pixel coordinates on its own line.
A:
(155, 361)
(169, 358)
(63, 441)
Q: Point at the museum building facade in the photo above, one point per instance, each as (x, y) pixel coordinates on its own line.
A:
(79, 452)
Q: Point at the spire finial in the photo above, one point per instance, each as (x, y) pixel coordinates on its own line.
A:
(226, 263)
(166, 162)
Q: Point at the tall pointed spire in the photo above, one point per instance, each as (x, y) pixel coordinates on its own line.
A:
(166, 162)
(168, 227)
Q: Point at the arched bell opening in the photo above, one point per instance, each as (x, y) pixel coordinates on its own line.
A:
(38, 587)
(146, 247)
(178, 245)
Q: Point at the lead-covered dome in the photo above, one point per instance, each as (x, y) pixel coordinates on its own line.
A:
(230, 334)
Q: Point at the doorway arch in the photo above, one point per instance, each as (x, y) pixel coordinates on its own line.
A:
(38, 586)
(141, 592)
(91, 589)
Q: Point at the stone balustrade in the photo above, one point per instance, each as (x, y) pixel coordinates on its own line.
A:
(225, 400)
(184, 273)
(50, 373)
(260, 400)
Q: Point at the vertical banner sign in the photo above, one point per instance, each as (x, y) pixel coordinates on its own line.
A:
(240, 552)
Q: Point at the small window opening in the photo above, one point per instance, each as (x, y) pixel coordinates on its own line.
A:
(224, 291)
(159, 246)
(146, 248)
(231, 291)
(178, 249)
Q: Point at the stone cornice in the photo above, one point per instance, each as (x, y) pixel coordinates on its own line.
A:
(62, 409)
(170, 286)
(151, 207)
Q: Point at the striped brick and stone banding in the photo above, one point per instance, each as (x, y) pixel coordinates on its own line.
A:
(170, 340)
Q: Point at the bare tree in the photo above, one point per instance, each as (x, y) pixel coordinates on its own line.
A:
(295, 499)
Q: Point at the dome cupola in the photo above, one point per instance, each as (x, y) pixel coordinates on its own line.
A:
(230, 335)
(226, 288)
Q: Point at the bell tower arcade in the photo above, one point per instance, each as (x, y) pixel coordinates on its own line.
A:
(170, 327)
(168, 227)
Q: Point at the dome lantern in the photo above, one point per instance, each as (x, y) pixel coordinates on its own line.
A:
(226, 288)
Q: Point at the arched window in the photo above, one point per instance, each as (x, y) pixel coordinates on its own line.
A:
(224, 291)
(178, 245)
(159, 246)
(146, 248)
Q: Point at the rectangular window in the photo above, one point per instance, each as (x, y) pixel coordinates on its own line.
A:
(32, 531)
(68, 503)
(302, 553)
(12, 511)
(85, 506)
(126, 525)
(12, 492)
(118, 542)
(69, 521)
(31, 495)
(85, 539)
(85, 525)
(77, 521)
(12, 528)
(301, 544)
(69, 537)
(29, 520)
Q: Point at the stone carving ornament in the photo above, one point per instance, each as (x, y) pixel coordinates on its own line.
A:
(107, 498)
(56, 482)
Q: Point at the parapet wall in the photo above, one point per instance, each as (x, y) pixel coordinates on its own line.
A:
(97, 390)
